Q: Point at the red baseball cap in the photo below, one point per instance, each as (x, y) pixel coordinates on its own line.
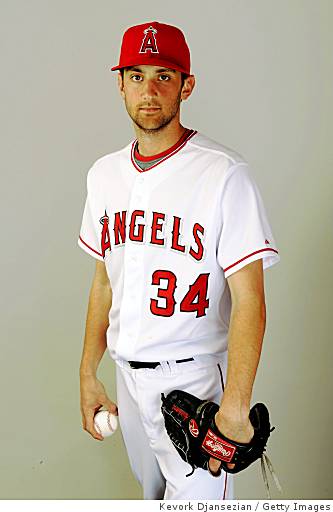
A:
(155, 44)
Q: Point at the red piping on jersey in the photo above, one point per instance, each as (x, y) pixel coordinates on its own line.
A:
(99, 254)
(252, 253)
(169, 152)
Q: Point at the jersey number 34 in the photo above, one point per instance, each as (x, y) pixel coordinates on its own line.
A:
(196, 290)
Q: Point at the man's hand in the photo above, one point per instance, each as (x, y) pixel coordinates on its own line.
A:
(239, 431)
(93, 397)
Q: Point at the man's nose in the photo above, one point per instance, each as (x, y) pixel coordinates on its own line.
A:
(149, 88)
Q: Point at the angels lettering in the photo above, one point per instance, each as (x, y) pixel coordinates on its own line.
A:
(137, 231)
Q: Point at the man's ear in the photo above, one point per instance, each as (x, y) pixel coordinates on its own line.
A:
(188, 87)
(121, 85)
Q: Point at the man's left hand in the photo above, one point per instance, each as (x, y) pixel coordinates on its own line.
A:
(239, 431)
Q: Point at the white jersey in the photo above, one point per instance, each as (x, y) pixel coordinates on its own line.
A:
(169, 237)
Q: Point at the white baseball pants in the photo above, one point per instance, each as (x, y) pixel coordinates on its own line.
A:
(154, 460)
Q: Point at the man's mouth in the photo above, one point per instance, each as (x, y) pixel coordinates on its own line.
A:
(150, 109)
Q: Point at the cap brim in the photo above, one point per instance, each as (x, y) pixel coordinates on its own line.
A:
(160, 62)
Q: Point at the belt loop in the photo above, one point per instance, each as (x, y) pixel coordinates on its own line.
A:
(173, 366)
(166, 367)
(121, 363)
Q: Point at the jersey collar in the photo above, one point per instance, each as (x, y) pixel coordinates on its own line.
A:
(164, 155)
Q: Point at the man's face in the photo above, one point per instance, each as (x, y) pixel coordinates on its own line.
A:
(156, 87)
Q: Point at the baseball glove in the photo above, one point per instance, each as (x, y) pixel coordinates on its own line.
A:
(190, 424)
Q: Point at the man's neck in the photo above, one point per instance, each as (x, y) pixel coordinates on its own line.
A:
(150, 144)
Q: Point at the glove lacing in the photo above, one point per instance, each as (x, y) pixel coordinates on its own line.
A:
(264, 458)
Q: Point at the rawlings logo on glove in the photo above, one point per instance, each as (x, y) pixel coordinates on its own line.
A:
(218, 448)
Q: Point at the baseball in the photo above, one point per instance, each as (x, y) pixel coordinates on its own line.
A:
(105, 423)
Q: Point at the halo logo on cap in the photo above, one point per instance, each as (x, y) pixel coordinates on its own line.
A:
(149, 41)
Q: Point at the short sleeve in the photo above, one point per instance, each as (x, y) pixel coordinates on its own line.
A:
(90, 232)
(246, 234)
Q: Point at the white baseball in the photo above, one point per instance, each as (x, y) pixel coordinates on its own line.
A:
(105, 423)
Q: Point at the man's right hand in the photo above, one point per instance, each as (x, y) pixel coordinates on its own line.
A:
(93, 398)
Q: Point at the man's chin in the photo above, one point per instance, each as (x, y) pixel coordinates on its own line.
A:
(149, 124)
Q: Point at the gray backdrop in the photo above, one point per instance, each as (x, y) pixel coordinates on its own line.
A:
(264, 88)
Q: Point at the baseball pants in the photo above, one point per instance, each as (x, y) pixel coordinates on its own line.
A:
(155, 462)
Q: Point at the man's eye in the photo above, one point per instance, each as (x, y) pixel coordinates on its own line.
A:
(165, 78)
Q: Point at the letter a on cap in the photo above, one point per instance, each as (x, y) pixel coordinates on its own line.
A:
(149, 41)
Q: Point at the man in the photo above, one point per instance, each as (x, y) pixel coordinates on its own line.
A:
(181, 238)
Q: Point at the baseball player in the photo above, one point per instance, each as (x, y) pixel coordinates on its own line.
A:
(180, 235)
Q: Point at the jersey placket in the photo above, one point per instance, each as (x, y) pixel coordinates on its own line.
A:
(132, 304)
